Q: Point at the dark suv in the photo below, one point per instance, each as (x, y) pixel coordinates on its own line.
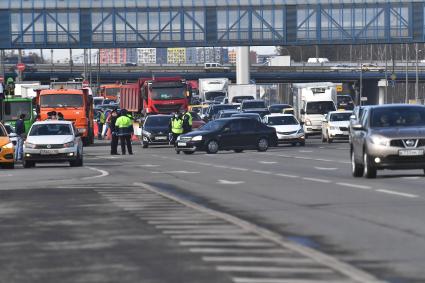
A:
(388, 137)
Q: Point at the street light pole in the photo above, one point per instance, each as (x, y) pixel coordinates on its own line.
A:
(417, 74)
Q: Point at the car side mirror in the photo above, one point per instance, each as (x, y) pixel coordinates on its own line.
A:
(302, 112)
(358, 127)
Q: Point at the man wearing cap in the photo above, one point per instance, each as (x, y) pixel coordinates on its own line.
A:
(124, 126)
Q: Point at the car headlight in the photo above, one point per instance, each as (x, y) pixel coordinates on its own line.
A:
(379, 140)
(29, 145)
(68, 144)
(300, 131)
(178, 138)
(146, 133)
(197, 138)
(334, 128)
(8, 145)
(307, 122)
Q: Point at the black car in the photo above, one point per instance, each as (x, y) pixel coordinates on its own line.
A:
(155, 130)
(261, 112)
(277, 108)
(254, 116)
(235, 134)
(213, 110)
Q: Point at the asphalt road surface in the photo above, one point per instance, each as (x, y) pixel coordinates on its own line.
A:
(289, 215)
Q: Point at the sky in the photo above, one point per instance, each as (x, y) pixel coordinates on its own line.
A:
(61, 54)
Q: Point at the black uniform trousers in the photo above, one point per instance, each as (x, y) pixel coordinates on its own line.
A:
(114, 143)
(126, 140)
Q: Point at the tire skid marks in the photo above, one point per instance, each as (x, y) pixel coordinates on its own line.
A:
(243, 253)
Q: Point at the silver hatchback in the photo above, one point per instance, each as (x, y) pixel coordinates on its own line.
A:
(388, 137)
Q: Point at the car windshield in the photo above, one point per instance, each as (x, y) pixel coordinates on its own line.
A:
(320, 107)
(51, 130)
(214, 125)
(254, 104)
(156, 121)
(13, 109)
(97, 102)
(278, 108)
(167, 93)
(344, 99)
(61, 100)
(216, 109)
(212, 95)
(338, 117)
(239, 99)
(398, 117)
(281, 120)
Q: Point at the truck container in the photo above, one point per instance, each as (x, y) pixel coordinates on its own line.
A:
(163, 95)
(111, 91)
(280, 61)
(242, 91)
(27, 89)
(312, 101)
(209, 89)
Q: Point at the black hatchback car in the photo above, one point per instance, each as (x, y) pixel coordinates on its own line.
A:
(155, 130)
(235, 134)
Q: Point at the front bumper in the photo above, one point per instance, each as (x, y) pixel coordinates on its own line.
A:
(53, 155)
(313, 130)
(156, 139)
(7, 155)
(338, 134)
(390, 158)
(190, 146)
(290, 138)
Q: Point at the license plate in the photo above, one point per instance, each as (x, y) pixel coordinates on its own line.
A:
(411, 152)
(161, 138)
(48, 152)
(181, 144)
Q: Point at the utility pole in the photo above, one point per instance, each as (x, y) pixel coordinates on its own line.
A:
(386, 73)
(417, 74)
(406, 100)
(19, 78)
(51, 60)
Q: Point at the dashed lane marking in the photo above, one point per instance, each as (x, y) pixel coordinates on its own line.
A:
(262, 172)
(267, 162)
(326, 168)
(227, 182)
(284, 280)
(290, 260)
(316, 180)
(216, 237)
(397, 193)
(149, 165)
(226, 244)
(286, 175)
(272, 269)
(354, 186)
(174, 172)
(238, 251)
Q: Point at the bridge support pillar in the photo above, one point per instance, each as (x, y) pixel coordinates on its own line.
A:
(242, 65)
(382, 84)
(371, 92)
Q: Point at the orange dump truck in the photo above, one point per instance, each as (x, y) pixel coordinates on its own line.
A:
(76, 105)
(111, 91)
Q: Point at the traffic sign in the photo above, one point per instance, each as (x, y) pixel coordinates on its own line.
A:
(20, 67)
(339, 88)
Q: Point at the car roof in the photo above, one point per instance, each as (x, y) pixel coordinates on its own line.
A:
(53, 122)
(279, 115)
(336, 112)
(254, 100)
(396, 106)
(245, 114)
(230, 110)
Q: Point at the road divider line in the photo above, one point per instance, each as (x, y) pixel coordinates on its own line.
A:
(284, 280)
(103, 173)
(261, 172)
(291, 260)
(286, 175)
(397, 193)
(227, 182)
(238, 251)
(270, 269)
(354, 186)
(316, 180)
(226, 244)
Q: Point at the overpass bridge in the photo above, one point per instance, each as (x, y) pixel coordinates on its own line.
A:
(28, 24)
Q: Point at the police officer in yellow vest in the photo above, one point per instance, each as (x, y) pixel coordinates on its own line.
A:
(124, 127)
(176, 127)
(187, 122)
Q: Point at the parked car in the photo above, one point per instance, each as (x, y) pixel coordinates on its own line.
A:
(335, 125)
(7, 159)
(388, 137)
(278, 108)
(288, 128)
(236, 134)
(156, 130)
(53, 141)
(253, 116)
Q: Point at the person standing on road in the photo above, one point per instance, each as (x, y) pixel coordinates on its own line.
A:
(100, 122)
(176, 126)
(107, 124)
(114, 133)
(187, 122)
(124, 126)
(20, 132)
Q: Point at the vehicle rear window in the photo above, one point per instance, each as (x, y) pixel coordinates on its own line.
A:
(254, 104)
(51, 130)
(320, 107)
(398, 117)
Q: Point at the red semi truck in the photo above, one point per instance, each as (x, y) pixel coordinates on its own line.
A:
(155, 96)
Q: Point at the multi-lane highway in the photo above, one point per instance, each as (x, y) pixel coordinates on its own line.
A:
(291, 214)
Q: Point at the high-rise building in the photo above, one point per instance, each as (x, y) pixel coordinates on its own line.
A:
(118, 56)
(146, 55)
(232, 56)
(192, 55)
(176, 55)
(252, 57)
(212, 54)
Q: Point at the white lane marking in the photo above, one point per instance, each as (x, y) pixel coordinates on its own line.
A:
(305, 151)
(284, 280)
(316, 180)
(149, 165)
(322, 159)
(174, 172)
(267, 162)
(261, 172)
(227, 182)
(215, 237)
(186, 221)
(269, 269)
(233, 231)
(354, 186)
(226, 244)
(412, 178)
(221, 166)
(256, 259)
(397, 193)
(325, 168)
(191, 227)
(239, 169)
(103, 173)
(6, 175)
(238, 251)
(286, 175)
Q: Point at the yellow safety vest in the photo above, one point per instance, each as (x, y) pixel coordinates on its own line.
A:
(190, 118)
(177, 126)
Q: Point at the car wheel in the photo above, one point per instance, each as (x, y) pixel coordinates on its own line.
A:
(188, 152)
(356, 169)
(238, 150)
(145, 145)
(262, 144)
(212, 147)
(28, 164)
(368, 170)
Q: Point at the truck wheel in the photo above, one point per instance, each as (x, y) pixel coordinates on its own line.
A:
(368, 170)
(212, 147)
(356, 169)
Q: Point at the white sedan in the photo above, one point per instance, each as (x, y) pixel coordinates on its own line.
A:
(53, 141)
(335, 126)
(288, 129)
